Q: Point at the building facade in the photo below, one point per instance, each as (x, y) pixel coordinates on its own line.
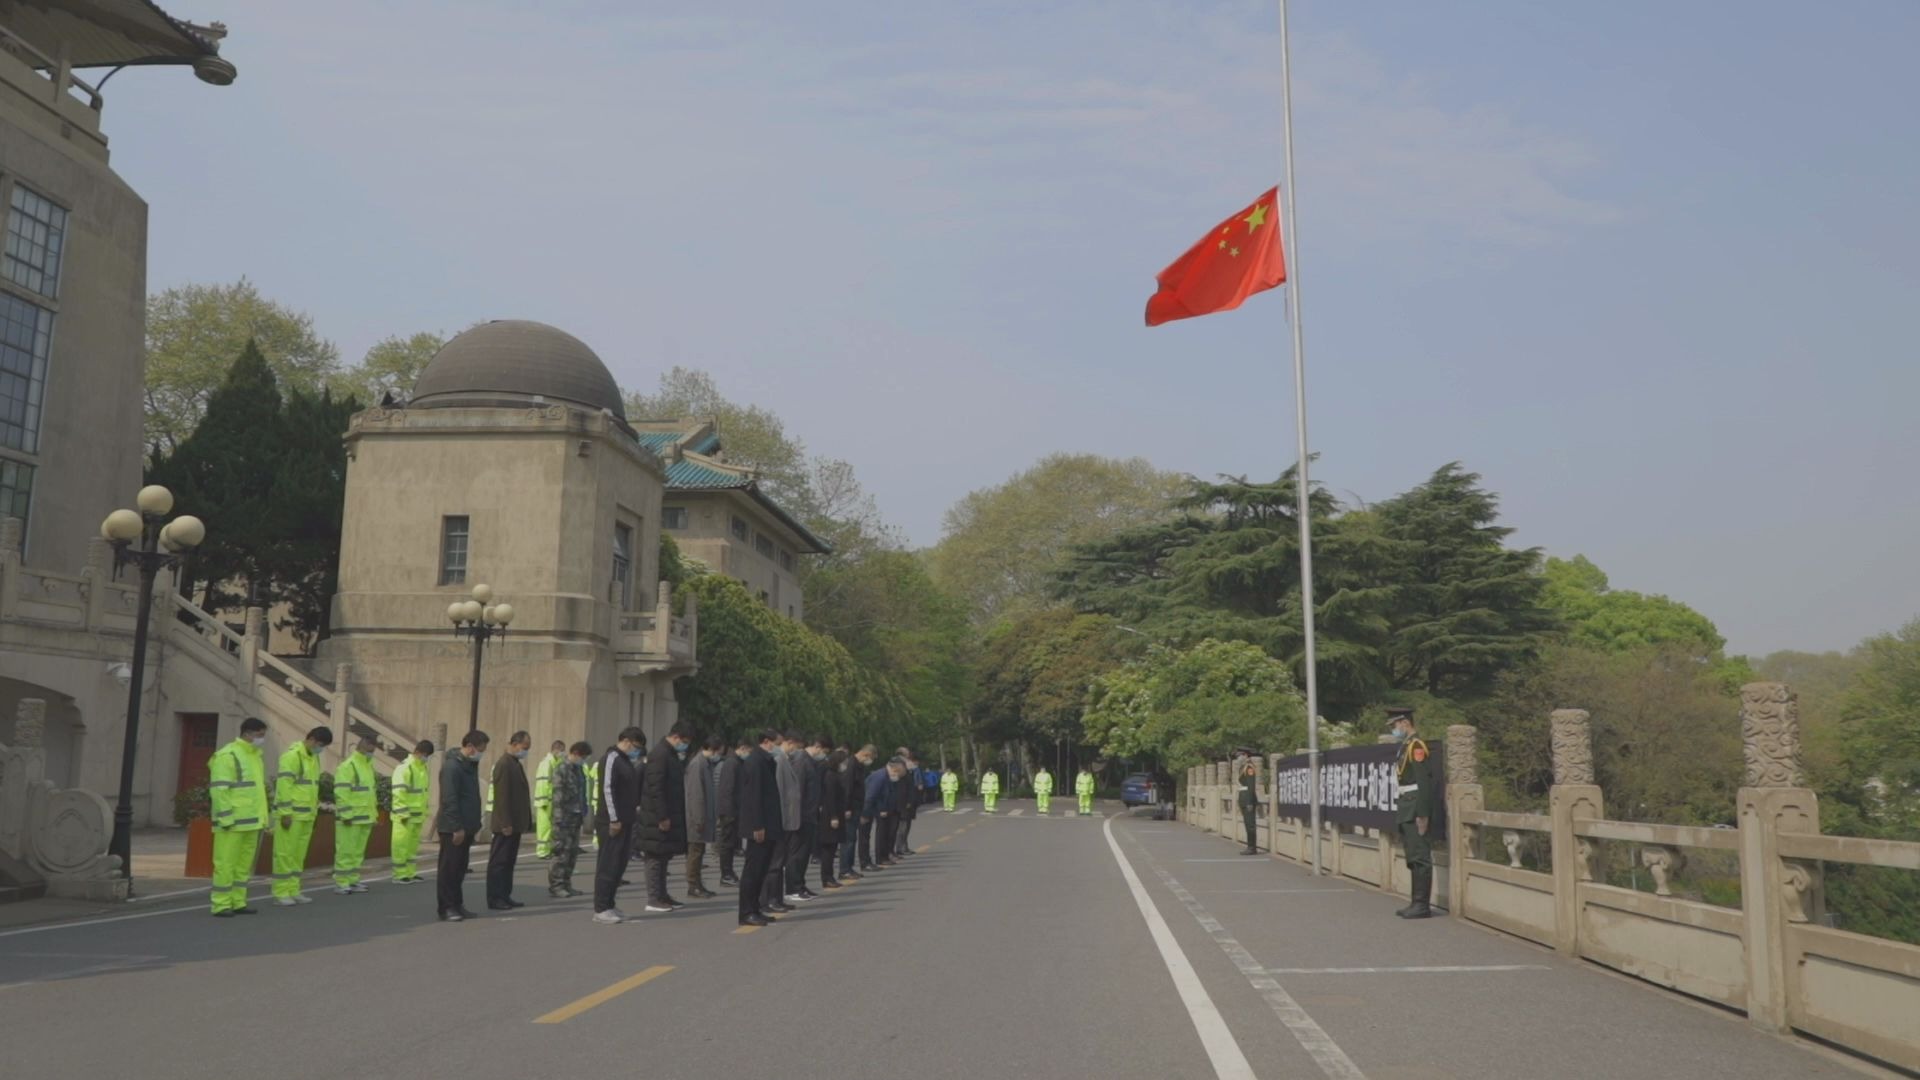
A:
(718, 514)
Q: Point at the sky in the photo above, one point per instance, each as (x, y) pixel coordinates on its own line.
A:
(1646, 267)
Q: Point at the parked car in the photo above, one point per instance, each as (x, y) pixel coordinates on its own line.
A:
(1139, 789)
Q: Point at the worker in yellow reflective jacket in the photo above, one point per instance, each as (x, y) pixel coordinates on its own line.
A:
(1043, 789)
(990, 789)
(949, 789)
(592, 769)
(1083, 787)
(410, 811)
(296, 802)
(543, 799)
(237, 790)
(356, 805)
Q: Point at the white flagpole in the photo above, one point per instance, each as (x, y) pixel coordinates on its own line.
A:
(1290, 221)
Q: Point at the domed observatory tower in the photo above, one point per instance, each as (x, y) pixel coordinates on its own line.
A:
(512, 466)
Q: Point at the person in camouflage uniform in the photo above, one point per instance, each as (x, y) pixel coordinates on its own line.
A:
(570, 808)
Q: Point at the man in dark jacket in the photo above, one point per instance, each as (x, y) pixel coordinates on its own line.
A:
(830, 822)
(663, 813)
(858, 762)
(757, 798)
(512, 818)
(806, 767)
(726, 828)
(615, 822)
(912, 791)
(458, 821)
(878, 808)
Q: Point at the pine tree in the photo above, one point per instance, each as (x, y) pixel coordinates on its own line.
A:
(309, 494)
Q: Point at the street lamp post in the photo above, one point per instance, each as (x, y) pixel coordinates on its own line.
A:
(159, 546)
(479, 619)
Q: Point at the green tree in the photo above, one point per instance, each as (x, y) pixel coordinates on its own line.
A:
(753, 436)
(1002, 545)
(1188, 706)
(1598, 616)
(391, 366)
(226, 471)
(193, 334)
(309, 494)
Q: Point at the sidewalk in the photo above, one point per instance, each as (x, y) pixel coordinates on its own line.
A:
(159, 862)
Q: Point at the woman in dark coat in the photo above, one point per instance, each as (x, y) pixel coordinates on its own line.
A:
(663, 813)
(832, 822)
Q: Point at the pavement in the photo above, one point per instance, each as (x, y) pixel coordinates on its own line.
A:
(1114, 945)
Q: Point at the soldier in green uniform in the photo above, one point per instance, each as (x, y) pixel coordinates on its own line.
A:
(1415, 790)
(1249, 800)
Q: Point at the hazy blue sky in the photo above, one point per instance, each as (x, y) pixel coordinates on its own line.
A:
(1648, 267)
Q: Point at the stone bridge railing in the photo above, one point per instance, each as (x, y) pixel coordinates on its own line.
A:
(1758, 942)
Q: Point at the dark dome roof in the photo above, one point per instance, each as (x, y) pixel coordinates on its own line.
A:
(510, 362)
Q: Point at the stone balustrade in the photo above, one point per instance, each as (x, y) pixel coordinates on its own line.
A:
(1770, 954)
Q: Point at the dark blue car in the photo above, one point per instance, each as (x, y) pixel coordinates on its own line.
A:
(1138, 789)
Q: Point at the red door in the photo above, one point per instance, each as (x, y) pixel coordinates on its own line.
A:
(198, 734)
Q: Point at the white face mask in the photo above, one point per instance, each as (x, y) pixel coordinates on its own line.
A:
(258, 740)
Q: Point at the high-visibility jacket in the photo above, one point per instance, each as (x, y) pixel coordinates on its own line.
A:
(1043, 783)
(354, 799)
(543, 780)
(990, 784)
(237, 787)
(296, 786)
(592, 769)
(949, 783)
(410, 788)
(1083, 784)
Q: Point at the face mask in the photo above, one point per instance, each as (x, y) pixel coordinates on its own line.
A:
(1399, 735)
(817, 754)
(471, 755)
(634, 754)
(258, 740)
(742, 754)
(521, 754)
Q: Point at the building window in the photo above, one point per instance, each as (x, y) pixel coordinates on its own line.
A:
(36, 231)
(786, 558)
(763, 545)
(790, 613)
(740, 529)
(453, 550)
(16, 492)
(765, 599)
(26, 333)
(620, 592)
(674, 517)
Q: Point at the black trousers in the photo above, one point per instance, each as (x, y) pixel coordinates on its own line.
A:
(453, 872)
(657, 878)
(799, 857)
(609, 866)
(753, 874)
(502, 857)
(726, 837)
(1253, 834)
(885, 829)
(866, 843)
(901, 845)
(775, 887)
(827, 850)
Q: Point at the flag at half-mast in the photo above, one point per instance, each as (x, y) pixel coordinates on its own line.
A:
(1239, 257)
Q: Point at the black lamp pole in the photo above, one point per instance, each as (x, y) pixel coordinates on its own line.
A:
(480, 620)
(150, 559)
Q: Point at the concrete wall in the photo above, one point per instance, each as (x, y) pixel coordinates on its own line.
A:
(709, 538)
(89, 456)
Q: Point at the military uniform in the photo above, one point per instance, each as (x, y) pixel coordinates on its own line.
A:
(1414, 800)
(1249, 799)
(571, 807)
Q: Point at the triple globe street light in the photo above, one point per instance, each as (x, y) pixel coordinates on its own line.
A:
(142, 537)
(479, 619)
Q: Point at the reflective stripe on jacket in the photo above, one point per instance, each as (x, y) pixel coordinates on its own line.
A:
(354, 800)
(296, 786)
(543, 779)
(1083, 784)
(237, 787)
(410, 782)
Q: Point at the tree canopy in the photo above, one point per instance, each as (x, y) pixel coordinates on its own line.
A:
(193, 334)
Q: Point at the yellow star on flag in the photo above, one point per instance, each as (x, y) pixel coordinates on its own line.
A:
(1257, 218)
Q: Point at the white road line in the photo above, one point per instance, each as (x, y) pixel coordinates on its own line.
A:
(1312, 1037)
(1440, 969)
(1269, 892)
(962, 810)
(1229, 1063)
(1015, 813)
(202, 908)
(1242, 859)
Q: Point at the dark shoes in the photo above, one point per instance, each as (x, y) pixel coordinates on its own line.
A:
(756, 920)
(780, 909)
(829, 884)
(1419, 909)
(730, 882)
(499, 905)
(454, 916)
(1250, 851)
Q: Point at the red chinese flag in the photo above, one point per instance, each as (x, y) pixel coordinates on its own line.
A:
(1240, 257)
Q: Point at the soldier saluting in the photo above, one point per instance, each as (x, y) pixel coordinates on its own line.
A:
(1414, 810)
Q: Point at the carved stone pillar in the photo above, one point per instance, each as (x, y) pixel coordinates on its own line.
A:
(1574, 797)
(1774, 892)
(1464, 795)
(1512, 841)
(1663, 863)
(10, 535)
(337, 705)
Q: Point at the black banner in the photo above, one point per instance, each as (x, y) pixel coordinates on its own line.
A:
(1357, 786)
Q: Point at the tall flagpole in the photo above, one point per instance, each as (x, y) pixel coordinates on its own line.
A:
(1290, 221)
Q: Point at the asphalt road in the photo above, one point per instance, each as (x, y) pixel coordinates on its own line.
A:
(1012, 945)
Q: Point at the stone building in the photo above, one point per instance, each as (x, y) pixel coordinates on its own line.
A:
(512, 465)
(72, 348)
(719, 515)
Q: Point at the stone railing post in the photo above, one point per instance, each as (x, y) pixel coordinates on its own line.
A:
(337, 705)
(1574, 796)
(1221, 770)
(251, 642)
(10, 538)
(1272, 796)
(1464, 793)
(1774, 892)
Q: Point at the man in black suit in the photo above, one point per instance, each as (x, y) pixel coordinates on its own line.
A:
(757, 800)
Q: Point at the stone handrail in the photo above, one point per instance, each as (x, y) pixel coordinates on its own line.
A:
(1642, 832)
(207, 626)
(1769, 953)
(58, 73)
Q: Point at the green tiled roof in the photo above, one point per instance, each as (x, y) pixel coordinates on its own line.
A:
(658, 441)
(691, 475)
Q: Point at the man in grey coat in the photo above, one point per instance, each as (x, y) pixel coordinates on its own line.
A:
(800, 856)
(703, 806)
